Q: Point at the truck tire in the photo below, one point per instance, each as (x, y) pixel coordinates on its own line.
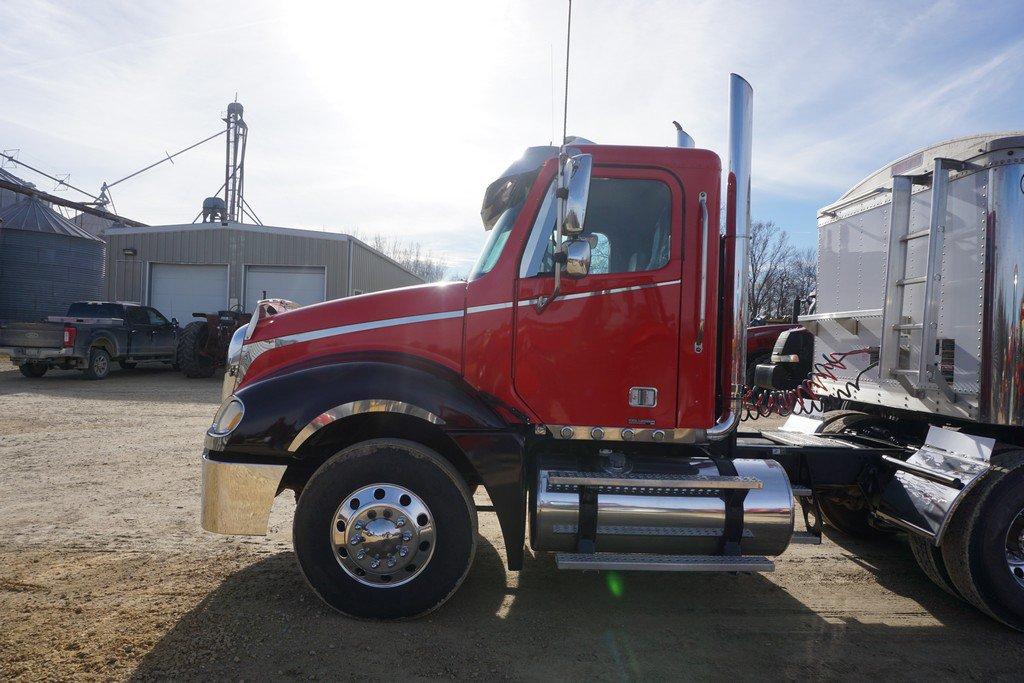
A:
(33, 370)
(193, 338)
(929, 559)
(984, 544)
(385, 529)
(847, 514)
(99, 364)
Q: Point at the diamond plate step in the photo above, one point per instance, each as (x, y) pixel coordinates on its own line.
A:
(660, 481)
(801, 439)
(664, 563)
(801, 492)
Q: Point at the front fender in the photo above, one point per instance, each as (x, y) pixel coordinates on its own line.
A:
(282, 410)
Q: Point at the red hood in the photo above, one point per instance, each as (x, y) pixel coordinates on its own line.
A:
(410, 320)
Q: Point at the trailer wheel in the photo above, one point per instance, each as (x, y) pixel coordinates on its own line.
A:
(99, 364)
(190, 344)
(929, 559)
(984, 544)
(33, 369)
(847, 513)
(385, 529)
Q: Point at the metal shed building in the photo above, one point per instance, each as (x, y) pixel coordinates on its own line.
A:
(46, 262)
(206, 267)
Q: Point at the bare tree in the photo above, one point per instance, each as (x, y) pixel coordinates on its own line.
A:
(425, 263)
(779, 272)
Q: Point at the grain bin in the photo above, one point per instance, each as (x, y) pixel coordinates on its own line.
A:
(46, 262)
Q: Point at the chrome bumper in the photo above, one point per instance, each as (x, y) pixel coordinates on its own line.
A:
(237, 496)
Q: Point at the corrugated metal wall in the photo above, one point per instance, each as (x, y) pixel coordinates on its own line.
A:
(239, 248)
(42, 273)
(371, 273)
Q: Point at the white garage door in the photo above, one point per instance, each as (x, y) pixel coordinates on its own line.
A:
(178, 290)
(302, 284)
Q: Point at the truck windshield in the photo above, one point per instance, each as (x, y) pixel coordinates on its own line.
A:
(503, 201)
(93, 310)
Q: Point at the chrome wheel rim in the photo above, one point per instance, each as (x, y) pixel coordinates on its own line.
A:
(383, 535)
(1015, 548)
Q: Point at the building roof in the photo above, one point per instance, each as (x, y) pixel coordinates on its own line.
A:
(33, 215)
(11, 178)
(116, 229)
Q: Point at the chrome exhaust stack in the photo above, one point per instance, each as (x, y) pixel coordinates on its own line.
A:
(741, 125)
(683, 139)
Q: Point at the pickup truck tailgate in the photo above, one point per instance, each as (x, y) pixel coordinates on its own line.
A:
(32, 335)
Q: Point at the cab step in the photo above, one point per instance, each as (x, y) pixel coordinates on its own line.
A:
(647, 481)
(801, 492)
(664, 563)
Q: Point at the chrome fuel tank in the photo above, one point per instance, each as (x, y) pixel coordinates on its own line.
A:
(653, 520)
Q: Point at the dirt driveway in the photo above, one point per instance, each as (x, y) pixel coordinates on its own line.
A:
(104, 573)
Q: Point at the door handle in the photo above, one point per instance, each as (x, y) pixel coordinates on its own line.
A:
(698, 344)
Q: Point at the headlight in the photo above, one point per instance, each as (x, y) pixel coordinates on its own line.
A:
(233, 371)
(228, 417)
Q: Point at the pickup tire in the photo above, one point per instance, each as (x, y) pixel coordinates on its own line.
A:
(192, 362)
(99, 364)
(33, 370)
(983, 548)
(385, 529)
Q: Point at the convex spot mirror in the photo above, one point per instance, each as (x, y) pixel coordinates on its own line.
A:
(577, 174)
(577, 258)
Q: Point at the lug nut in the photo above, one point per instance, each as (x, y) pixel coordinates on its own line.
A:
(361, 554)
(391, 560)
(407, 536)
(403, 551)
(374, 564)
(360, 525)
(356, 540)
(400, 521)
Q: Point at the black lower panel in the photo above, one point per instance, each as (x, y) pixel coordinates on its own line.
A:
(498, 459)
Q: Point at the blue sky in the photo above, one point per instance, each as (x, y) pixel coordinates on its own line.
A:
(392, 117)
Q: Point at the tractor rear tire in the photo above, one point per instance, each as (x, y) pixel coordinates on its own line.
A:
(192, 341)
(929, 559)
(984, 545)
(852, 516)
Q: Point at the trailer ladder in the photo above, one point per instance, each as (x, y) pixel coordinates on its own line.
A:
(894, 322)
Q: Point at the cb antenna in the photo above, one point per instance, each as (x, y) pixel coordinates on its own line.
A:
(565, 107)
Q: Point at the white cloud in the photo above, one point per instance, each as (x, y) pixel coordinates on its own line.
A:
(394, 117)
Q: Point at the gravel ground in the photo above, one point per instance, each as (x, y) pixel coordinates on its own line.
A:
(105, 574)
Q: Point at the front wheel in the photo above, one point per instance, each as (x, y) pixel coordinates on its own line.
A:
(385, 529)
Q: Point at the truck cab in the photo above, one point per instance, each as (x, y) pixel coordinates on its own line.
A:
(589, 375)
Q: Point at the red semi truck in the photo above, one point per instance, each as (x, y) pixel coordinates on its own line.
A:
(588, 374)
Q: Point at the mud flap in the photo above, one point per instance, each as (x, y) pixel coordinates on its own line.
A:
(927, 489)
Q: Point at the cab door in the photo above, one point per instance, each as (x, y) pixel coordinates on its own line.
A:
(163, 334)
(606, 351)
(140, 337)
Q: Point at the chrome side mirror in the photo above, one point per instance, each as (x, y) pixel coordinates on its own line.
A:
(577, 258)
(577, 174)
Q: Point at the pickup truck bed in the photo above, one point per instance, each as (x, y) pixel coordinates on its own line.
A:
(90, 343)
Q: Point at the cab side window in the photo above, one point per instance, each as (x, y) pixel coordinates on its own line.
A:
(629, 225)
(155, 318)
(137, 316)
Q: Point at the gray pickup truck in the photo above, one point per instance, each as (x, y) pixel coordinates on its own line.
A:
(91, 336)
